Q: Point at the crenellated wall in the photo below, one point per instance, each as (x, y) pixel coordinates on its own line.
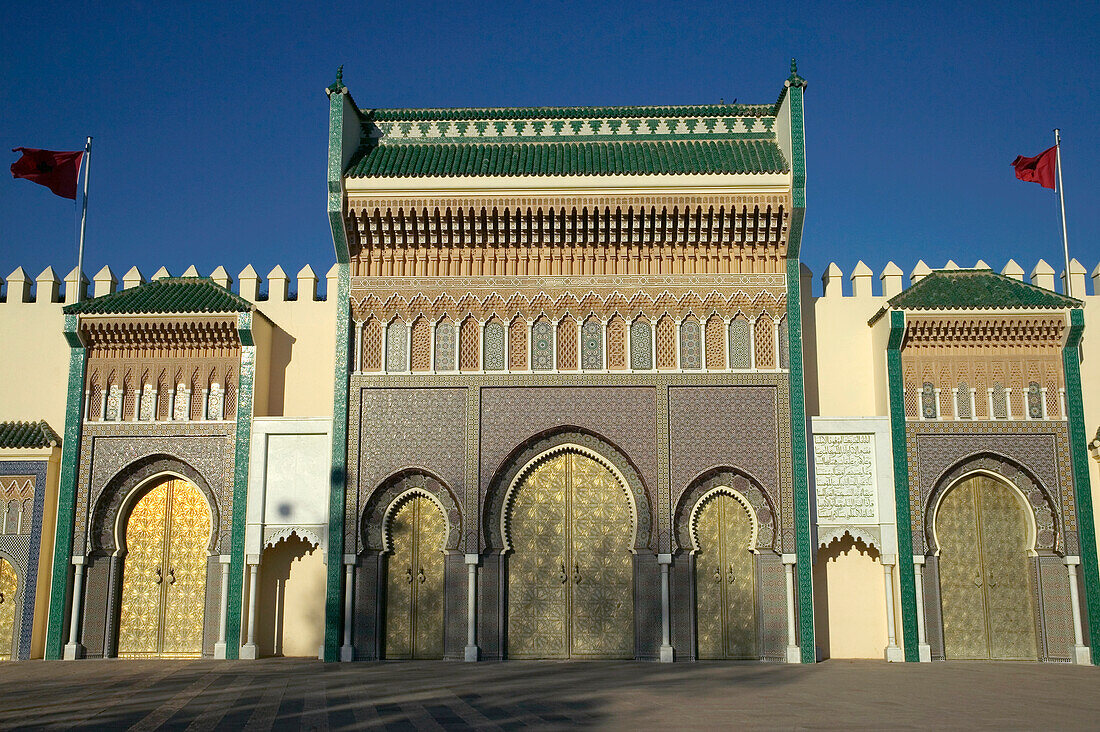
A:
(35, 363)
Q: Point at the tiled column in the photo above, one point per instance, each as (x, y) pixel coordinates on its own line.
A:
(223, 607)
(924, 651)
(667, 653)
(1080, 650)
(347, 651)
(471, 607)
(794, 653)
(248, 650)
(73, 649)
(893, 652)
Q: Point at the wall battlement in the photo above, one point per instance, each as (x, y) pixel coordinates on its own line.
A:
(47, 288)
(893, 280)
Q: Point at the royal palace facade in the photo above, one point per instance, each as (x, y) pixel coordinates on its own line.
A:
(568, 394)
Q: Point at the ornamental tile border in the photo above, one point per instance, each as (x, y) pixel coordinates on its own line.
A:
(641, 128)
(23, 551)
(933, 449)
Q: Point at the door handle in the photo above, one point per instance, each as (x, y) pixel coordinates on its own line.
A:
(409, 575)
(576, 573)
(991, 582)
(159, 577)
(420, 576)
(977, 578)
(730, 573)
(562, 575)
(717, 574)
(1, 598)
(171, 576)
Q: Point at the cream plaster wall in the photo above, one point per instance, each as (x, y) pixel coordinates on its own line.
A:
(34, 356)
(34, 363)
(855, 600)
(291, 604)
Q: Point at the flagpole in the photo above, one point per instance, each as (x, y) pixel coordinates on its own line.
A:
(84, 219)
(1062, 198)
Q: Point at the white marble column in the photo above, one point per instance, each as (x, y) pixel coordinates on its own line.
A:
(73, 649)
(893, 652)
(249, 650)
(1081, 653)
(924, 651)
(471, 607)
(794, 653)
(667, 652)
(223, 607)
(347, 652)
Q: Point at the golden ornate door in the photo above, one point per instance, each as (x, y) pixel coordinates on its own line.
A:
(984, 574)
(164, 578)
(414, 582)
(571, 572)
(725, 585)
(7, 609)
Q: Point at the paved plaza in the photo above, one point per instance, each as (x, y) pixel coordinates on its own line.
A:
(300, 694)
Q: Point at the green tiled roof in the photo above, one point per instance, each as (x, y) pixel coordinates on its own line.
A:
(168, 295)
(568, 158)
(470, 113)
(26, 435)
(977, 289)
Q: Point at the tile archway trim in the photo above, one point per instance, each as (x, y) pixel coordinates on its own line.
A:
(138, 473)
(557, 440)
(763, 506)
(399, 487)
(1050, 534)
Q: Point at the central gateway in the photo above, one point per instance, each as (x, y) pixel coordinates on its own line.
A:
(570, 574)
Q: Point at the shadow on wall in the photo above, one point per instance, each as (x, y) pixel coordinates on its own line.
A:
(291, 605)
(848, 623)
(282, 347)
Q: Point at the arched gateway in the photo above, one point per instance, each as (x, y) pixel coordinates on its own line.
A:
(725, 584)
(164, 581)
(570, 525)
(414, 580)
(984, 536)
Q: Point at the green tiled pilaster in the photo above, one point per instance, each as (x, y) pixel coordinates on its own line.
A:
(240, 485)
(1086, 528)
(338, 98)
(66, 506)
(906, 577)
(800, 478)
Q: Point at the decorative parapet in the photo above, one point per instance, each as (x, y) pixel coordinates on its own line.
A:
(47, 288)
(893, 281)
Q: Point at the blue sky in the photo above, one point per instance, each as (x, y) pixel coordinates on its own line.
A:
(210, 120)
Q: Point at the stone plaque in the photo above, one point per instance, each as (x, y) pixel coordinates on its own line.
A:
(845, 469)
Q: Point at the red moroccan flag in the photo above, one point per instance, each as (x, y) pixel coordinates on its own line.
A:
(58, 171)
(1039, 169)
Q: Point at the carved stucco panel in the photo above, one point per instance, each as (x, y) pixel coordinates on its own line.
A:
(1040, 448)
(626, 416)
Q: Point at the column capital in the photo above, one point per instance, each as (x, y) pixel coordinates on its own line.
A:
(790, 559)
(889, 560)
(225, 559)
(252, 559)
(918, 559)
(350, 559)
(664, 559)
(473, 559)
(79, 561)
(1071, 561)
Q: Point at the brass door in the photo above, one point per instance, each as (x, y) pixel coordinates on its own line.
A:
(571, 573)
(7, 609)
(414, 582)
(725, 585)
(985, 580)
(164, 578)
